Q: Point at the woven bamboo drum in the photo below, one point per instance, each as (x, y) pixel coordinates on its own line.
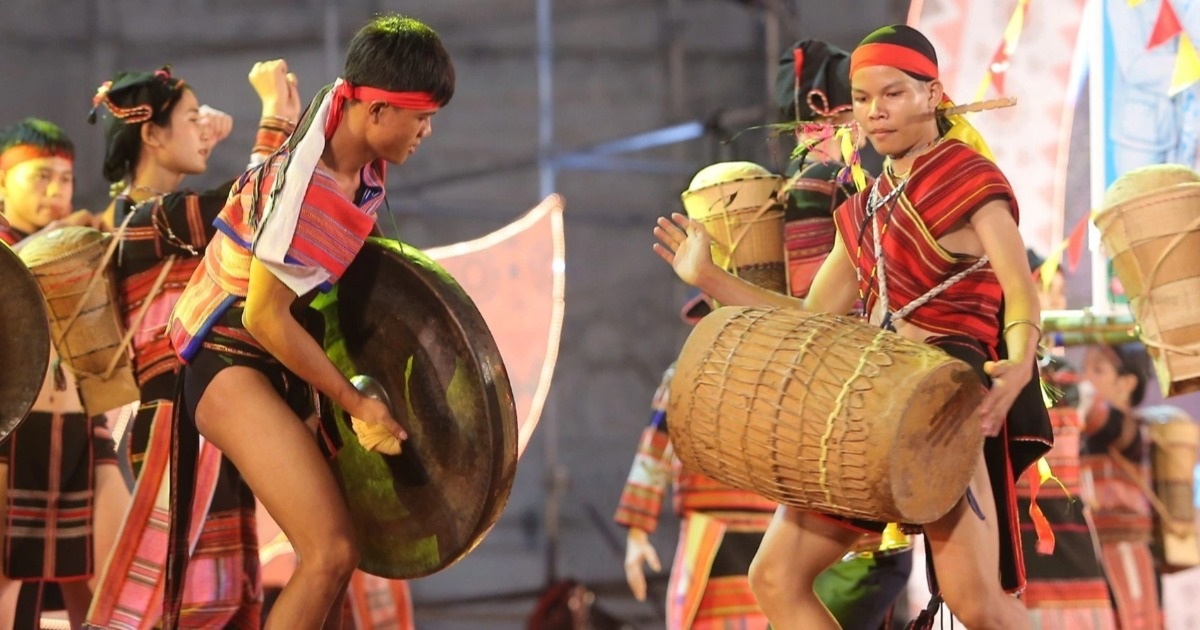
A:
(63, 262)
(1150, 225)
(739, 205)
(826, 413)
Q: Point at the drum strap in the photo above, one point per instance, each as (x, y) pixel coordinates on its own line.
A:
(930, 294)
(136, 325)
(875, 204)
(91, 286)
(881, 269)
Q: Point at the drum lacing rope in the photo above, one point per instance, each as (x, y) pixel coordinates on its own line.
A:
(864, 359)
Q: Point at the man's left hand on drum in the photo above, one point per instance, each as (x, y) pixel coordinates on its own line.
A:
(1008, 379)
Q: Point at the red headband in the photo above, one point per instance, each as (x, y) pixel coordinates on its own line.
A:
(25, 152)
(892, 55)
(404, 100)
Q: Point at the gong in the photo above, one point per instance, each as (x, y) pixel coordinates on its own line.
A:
(24, 341)
(398, 317)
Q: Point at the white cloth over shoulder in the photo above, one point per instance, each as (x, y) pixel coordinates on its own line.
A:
(281, 211)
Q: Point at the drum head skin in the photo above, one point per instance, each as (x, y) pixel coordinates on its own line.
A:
(397, 317)
(24, 341)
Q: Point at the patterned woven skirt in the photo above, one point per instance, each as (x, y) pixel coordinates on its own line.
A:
(51, 489)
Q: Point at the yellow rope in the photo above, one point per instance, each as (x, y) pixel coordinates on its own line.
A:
(843, 394)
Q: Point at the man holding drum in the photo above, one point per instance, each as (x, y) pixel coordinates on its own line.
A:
(934, 252)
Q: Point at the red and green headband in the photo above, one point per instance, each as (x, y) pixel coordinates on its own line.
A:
(894, 56)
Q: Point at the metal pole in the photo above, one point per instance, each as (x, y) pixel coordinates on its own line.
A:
(555, 474)
(545, 87)
(676, 56)
(332, 47)
(771, 40)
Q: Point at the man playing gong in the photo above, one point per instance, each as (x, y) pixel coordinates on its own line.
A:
(933, 250)
(291, 228)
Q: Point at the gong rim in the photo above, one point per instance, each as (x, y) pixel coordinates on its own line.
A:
(423, 276)
(24, 342)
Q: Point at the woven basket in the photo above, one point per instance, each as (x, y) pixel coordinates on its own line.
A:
(1150, 226)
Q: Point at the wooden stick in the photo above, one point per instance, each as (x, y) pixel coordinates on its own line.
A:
(981, 106)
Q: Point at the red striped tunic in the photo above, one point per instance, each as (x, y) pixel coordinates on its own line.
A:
(945, 186)
(330, 230)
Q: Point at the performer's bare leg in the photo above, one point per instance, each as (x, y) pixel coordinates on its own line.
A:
(281, 463)
(8, 588)
(112, 501)
(77, 597)
(966, 555)
(795, 549)
(337, 613)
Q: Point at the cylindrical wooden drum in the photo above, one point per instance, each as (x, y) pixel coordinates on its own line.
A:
(1174, 438)
(738, 203)
(826, 413)
(85, 318)
(1150, 225)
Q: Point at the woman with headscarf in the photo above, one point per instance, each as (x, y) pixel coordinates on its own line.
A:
(156, 134)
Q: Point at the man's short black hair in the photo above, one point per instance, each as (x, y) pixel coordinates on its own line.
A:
(400, 54)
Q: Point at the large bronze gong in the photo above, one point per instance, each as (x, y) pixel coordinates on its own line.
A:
(24, 341)
(397, 317)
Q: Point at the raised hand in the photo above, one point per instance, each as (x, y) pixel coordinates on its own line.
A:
(685, 245)
(277, 88)
(217, 125)
(639, 552)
